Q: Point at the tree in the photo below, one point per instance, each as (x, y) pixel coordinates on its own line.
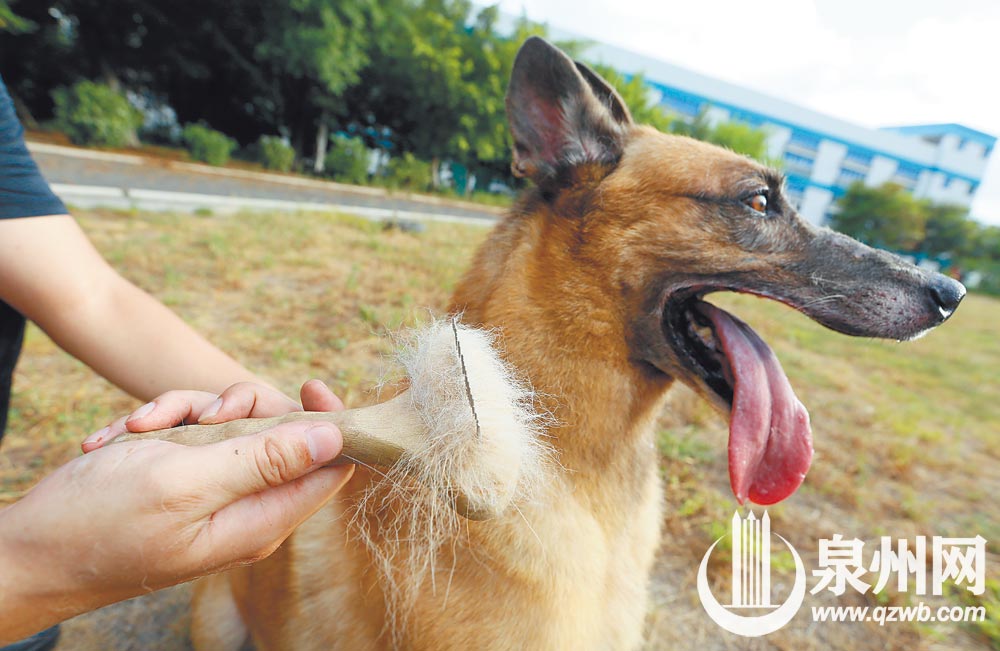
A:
(737, 136)
(741, 138)
(11, 22)
(251, 66)
(886, 216)
(312, 50)
(948, 230)
(418, 76)
(638, 98)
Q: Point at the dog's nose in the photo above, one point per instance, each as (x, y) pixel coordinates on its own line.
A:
(946, 293)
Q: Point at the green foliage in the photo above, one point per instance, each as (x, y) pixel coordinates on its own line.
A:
(638, 98)
(208, 145)
(408, 172)
(93, 114)
(323, 42)
(438, 79)
(12, 23)
(347, 160)
(948, 230)
(741, 138)
(275, 154)
(887, 216)
(737, 136)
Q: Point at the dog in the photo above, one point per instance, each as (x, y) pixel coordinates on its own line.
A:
(596, 281)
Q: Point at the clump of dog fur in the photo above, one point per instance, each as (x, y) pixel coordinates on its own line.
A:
(492, 450)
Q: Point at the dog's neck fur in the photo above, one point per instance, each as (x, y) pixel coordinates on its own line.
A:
(576, 319)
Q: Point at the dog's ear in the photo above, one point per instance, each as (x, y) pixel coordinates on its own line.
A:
(561, 113)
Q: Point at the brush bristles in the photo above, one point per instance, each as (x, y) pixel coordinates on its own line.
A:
(407, 517)
(486, 451)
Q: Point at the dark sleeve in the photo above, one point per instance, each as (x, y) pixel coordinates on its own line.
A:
(23, 190)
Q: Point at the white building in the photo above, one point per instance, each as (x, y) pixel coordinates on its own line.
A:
(823, 155)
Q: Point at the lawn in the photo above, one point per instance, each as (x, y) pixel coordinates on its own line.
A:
(907, 435)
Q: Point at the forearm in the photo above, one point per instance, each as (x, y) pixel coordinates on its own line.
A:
(135, 342)
(51, 272)
(33, 595)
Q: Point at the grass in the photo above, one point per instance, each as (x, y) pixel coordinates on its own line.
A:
(907, 435)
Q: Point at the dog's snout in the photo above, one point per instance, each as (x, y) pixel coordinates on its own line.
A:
(946, 293)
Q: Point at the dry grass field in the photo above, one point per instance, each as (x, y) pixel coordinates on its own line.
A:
(907, 435)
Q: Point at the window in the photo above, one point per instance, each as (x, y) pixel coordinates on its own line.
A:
(804, 141)
(681, 102)
(907, 175)
(848, 176)
(858, 159)
(797, 164)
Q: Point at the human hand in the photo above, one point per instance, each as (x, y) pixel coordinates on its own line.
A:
(242, 400)
(143, 515)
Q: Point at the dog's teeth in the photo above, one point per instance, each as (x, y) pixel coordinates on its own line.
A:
(706, 335)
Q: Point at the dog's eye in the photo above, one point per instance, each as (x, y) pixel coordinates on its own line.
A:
(757, 203)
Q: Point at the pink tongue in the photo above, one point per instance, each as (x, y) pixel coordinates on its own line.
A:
(770, 443)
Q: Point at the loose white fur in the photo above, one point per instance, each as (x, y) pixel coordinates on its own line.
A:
(499, 463)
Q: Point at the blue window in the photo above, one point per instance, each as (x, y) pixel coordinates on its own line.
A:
(849, 176)
(858, 157)
(681, 102)
(797, 163)
(908, 171)
(804, 140)
(795, 184)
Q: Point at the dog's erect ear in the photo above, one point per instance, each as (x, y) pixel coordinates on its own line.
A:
(561, 113)
(606, 93)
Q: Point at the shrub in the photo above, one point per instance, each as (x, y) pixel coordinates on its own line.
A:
(275, 154)
(94, 114)
(347, 160)
(409, 172)
(208, 145)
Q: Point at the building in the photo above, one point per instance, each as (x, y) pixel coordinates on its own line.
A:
(823, 155)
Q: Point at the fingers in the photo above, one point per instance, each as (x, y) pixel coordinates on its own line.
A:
(170, 409)
(247, 400)
(273, 458)
(252, 527)
(102, 436)
(242, 400)
(316, 396)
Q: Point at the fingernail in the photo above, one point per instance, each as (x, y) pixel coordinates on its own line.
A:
(324, 444)
(211, 410)
(95, 438)
(144, 410)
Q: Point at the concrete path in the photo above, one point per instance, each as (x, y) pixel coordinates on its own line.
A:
(88, 178)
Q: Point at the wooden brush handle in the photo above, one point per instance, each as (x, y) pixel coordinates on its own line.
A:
(377, 436)
(374, 436)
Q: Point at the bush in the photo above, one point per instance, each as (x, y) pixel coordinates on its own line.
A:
(275, 154)
(409, 172)
(94, 114)
(347, 160)
(208, 145)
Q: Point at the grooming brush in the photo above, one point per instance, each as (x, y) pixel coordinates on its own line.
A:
(465, 426)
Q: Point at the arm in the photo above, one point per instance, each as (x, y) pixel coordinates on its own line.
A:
(51, 273)
(134, 517)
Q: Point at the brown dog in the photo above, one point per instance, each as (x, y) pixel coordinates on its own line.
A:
(596, 281)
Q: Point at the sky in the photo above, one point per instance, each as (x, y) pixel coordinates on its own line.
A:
(873, 62)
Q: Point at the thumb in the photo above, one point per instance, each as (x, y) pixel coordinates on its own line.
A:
(273, 457)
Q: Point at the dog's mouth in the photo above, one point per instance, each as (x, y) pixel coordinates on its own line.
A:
(770, 441)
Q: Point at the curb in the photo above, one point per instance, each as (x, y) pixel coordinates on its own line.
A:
(134, 159)
(99, 196)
